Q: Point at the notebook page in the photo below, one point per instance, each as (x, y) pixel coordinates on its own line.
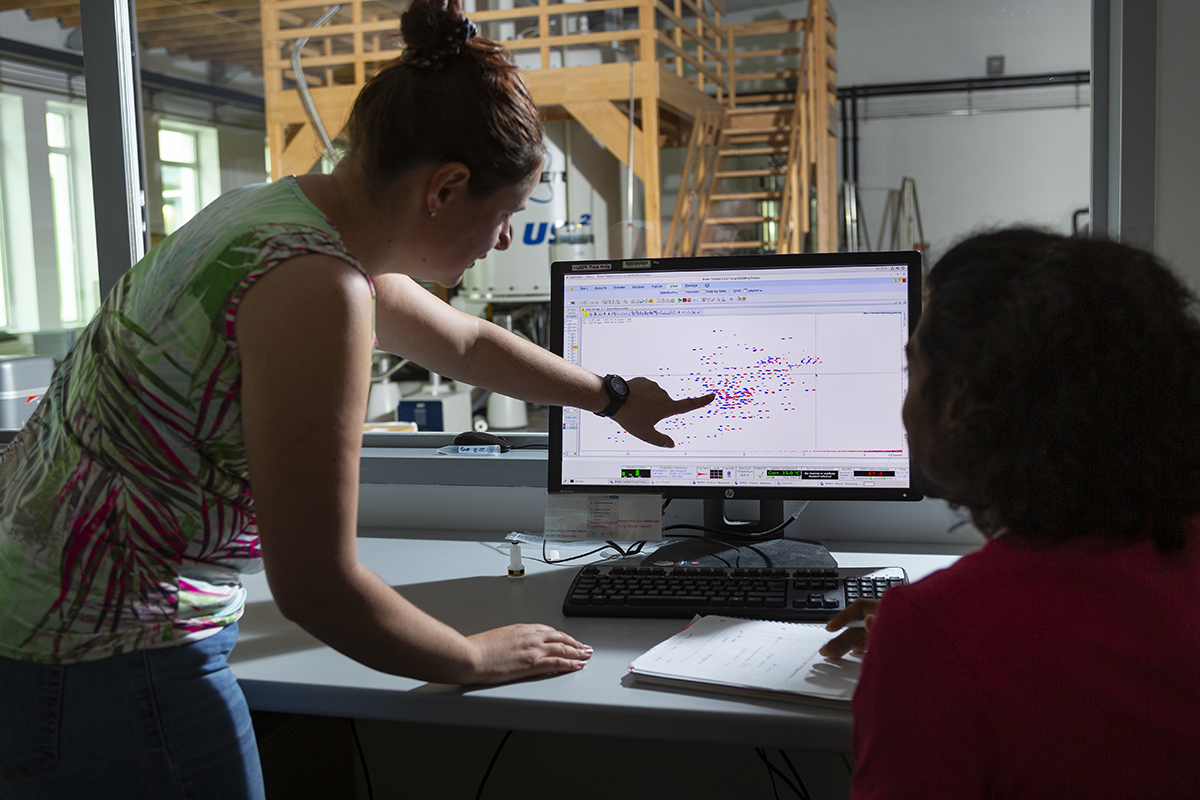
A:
(753, 654)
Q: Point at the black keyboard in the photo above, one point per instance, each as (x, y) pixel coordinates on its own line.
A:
(811, 594)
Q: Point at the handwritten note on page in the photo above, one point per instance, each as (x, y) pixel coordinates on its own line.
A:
(753, 655)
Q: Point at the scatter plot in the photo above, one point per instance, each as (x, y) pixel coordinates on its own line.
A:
(782, 382)
(761, 368)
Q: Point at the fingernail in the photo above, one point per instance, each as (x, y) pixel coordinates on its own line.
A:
(587, 649)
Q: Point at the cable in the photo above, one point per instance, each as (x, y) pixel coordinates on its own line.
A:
(738, 540)
(495, 756)
(775, 772)
(547, 560)
(727, 537)
(633, 549)
(795, 774)
(362, 757)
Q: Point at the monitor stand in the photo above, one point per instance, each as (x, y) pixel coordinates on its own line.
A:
(738, 547)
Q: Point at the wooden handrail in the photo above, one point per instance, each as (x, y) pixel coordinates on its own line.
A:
(704, 48)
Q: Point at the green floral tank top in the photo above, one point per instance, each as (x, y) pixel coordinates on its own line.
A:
(126, 516)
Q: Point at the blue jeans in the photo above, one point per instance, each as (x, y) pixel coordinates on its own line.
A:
(165, 723)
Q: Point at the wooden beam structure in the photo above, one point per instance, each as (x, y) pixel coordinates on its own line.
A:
(624, 69)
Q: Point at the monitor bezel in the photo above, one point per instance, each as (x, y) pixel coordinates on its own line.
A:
(560, 269)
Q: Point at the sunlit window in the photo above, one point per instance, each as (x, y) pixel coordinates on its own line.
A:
(62, 198)
(3, 266)
(18, 275)
(179, 154)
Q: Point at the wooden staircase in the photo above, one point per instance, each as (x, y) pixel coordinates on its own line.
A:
(733, 185)
(761, 177)
(745, 204)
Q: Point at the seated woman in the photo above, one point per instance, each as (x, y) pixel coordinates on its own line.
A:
(1055, 385)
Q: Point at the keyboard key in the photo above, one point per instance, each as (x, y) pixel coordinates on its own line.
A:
(667, 600)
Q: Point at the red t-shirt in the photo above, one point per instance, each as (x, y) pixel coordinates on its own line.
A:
(1063, 672)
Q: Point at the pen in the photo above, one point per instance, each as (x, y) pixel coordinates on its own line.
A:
(858, 623)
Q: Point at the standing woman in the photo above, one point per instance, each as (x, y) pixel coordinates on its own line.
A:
(1055, 385)
(209, 420)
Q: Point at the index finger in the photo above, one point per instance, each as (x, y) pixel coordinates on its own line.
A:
(857, 610)
(686, 404)
(854, 639)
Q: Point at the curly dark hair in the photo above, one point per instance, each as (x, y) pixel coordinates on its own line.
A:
(1078, 364)
(470, 107)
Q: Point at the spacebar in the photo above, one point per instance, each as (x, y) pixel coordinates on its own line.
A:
(664, 600)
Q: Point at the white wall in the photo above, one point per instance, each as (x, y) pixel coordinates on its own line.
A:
(888, 41)
(884, 41)
(980, 170)
(977, 170)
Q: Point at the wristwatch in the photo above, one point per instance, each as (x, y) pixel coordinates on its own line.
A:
(618, 393)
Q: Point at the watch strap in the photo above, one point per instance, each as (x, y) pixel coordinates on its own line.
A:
(616, 399)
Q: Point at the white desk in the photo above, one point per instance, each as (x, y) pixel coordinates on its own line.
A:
(465, 584)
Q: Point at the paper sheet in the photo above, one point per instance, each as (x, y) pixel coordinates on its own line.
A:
(603, 517)
(759, 655)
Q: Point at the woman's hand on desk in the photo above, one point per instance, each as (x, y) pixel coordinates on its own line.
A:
(525, 651)
(853, 639)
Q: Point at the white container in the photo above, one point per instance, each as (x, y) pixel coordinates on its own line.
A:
(23, 381)
(573, 242)
(437, 408)
(506, 413)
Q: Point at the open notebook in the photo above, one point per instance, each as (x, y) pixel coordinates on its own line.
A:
(761, 658)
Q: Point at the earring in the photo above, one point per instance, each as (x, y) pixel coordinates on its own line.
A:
(433, 212)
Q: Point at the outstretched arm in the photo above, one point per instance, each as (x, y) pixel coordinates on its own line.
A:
(304, 336)
(415, 324)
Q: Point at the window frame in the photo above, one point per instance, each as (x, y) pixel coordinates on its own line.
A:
(82, 210)
(18, 272)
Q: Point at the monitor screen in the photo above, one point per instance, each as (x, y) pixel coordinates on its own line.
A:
(805, 354)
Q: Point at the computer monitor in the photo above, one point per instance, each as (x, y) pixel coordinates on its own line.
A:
(805, 354)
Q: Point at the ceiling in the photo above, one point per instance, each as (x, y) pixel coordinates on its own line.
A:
(221, 31)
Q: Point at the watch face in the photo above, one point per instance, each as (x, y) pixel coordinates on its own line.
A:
(619, 385)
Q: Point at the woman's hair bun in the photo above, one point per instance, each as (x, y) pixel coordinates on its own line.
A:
(434, 31)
